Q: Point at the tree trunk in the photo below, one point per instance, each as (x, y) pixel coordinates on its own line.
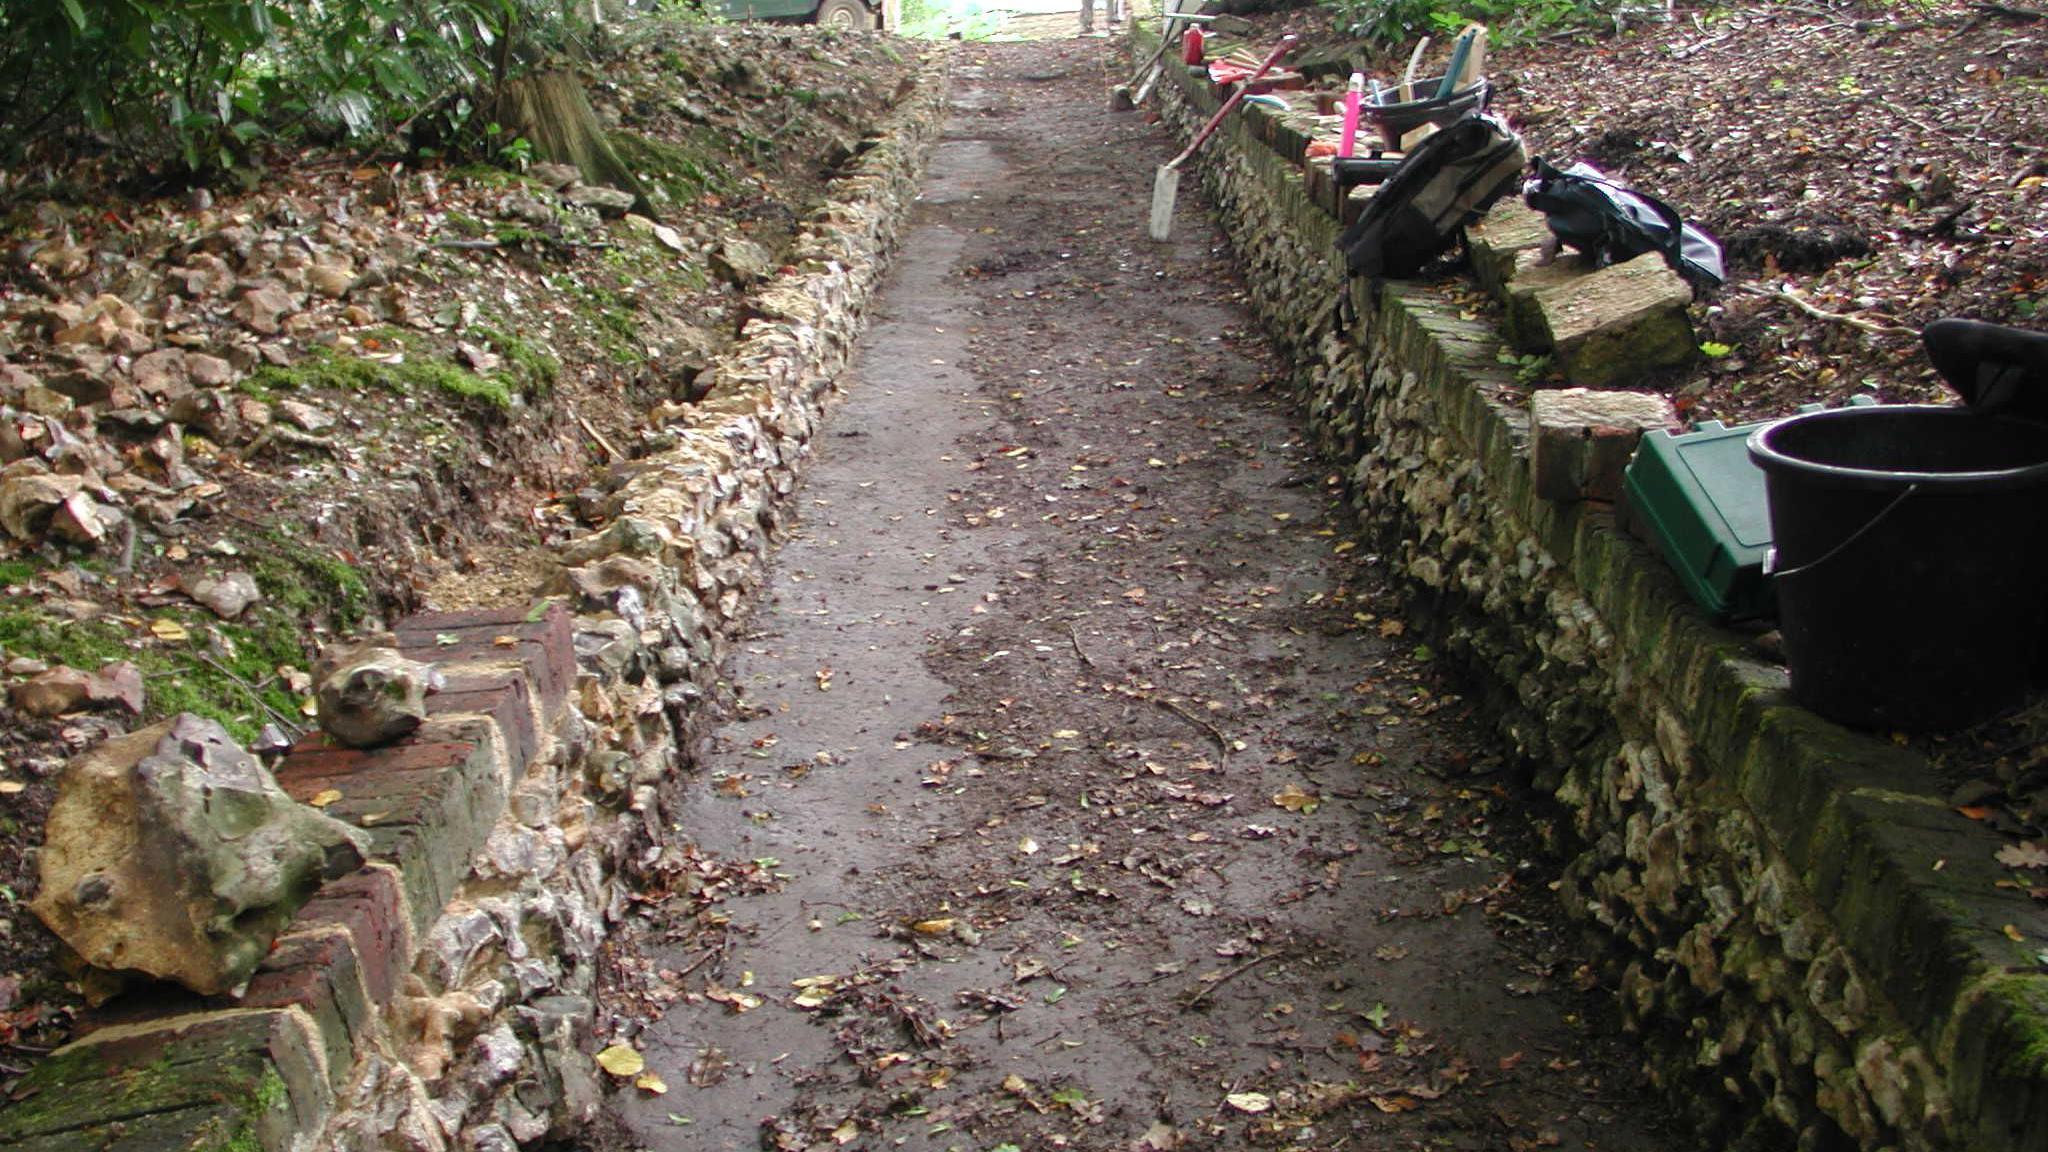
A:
(550, 109)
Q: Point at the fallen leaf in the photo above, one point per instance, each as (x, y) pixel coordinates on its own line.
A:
(1028, 846)
(1401, 1103)
(1252, 1102)
(1294, 799)
(846, 1132)
(325, 798)
(938, 927)
(169, 630)
(649, 1082)
(622, 1061)
(2013, 934)
(2029, 855)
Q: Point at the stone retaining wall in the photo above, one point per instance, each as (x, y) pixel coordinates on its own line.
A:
(1814, 951)
(441, 997)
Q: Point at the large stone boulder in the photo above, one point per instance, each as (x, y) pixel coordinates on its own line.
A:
(172, 851)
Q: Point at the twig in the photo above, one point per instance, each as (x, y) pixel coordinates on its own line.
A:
(291, 728)
(1699, 46)
(1227, 977)
(1902, 114)
(1215, 733)
(1078, 651)
(603, 443)
(699, 962)
(1819, 313)
(2010, 12)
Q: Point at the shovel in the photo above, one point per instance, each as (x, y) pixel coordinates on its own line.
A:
(1166, 182)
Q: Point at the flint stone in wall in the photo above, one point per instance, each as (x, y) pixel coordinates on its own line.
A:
(370, 695)
(172, 851)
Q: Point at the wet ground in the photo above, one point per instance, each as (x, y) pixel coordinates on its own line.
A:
(1083, 786)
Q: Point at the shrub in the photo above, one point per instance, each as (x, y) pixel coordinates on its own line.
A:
(188, 88)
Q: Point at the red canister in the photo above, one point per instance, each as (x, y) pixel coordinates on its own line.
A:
(1191, 46)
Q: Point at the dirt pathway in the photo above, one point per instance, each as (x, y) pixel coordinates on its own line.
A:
(1082, 790)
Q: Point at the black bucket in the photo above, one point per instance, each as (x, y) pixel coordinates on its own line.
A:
(1909, 568)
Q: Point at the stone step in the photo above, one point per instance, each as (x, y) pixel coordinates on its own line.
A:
(1606, 326)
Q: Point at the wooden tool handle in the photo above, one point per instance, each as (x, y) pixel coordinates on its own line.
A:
(1209, 129)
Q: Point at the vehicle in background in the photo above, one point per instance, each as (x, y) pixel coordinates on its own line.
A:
(828, 13)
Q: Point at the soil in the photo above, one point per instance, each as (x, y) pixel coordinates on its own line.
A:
(1867, 168)
(1082, 787)
(406, 493)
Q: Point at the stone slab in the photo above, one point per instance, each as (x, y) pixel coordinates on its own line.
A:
(1581, 439)
(1613, 325)
(1497, 242)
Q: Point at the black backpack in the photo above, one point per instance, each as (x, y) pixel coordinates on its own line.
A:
(1611, 223)
(1447, 182)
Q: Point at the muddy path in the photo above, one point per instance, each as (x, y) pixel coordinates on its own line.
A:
(1083, 787)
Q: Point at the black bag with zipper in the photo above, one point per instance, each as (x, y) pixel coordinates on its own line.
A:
(1447, 182)
(1610, 223)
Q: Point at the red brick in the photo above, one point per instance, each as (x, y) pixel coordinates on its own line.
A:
(546, 646)
(368, 903)
(504, 697)
(318, 972)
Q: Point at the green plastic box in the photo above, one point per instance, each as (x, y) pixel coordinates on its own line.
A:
(1698, 499)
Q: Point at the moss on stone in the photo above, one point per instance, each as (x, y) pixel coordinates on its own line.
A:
(327, 370)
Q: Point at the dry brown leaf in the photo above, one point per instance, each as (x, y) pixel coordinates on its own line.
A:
(2032, 854)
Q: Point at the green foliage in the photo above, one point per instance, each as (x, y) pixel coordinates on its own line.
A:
(190, 88)
(1530, 368)
(1397, 23)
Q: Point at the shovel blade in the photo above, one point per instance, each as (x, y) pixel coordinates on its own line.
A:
(1165, 189)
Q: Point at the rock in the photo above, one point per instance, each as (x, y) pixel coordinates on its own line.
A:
(83, 386)
(165, 373)
(100, 329)
(171, 851)
(555, 176)
(607, 201)
(476, 358)
(531, 209)
(15, 380)
(211, 411)
(117, 683)
(51, 693)
(83, 520)
(208, 371)
(40, 401)
(228, 596)
(1580, 439)
(304, 416)
(60, 690)
(742, 262)
(330, 281)
(29, 495)
(369, 694)
(262, 309)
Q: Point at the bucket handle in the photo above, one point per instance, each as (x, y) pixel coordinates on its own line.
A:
(1771, 556)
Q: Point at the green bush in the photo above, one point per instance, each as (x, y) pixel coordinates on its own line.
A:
(1396, 23)
(184, 88)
